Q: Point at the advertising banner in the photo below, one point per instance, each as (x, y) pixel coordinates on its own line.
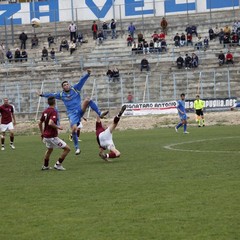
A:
(170, 107)
(138, 109)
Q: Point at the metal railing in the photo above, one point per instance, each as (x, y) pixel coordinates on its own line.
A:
(7, 34)
(144, 87)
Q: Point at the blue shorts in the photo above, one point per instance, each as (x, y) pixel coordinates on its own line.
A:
(183, 116)
(75, 117)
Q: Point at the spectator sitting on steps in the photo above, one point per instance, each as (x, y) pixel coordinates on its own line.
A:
(17, 55)
(9, 55)
(189, 39)
(211, 34)
(24, 55)
(72, 46)
(145, 47)
(155, 36)
(163, 45)
(109, 74)
(194, 30)
(134, 48)
(140, 37)
(194, 60)
(205, 43)
(229, 58)
(199, 44)
(52, 54)
(182, 40)
(44, 54)
(221, 58)
(80, 38)
(64, 44)
(100, 37)
(50, 40)
(176, 40)
(145, 64)
(34, 41)
(180, 62)
(129, 41)
(188, 62)
(115, 74)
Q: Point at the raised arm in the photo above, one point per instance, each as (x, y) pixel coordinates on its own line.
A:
(82, 81)
(57, 95)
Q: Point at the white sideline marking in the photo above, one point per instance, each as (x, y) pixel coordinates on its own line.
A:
(172, 146)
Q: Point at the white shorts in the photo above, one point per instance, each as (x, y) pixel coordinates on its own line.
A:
(55, 142)
(105, 139)
(5, 127)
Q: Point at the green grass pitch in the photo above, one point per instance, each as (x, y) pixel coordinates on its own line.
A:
(165, 185)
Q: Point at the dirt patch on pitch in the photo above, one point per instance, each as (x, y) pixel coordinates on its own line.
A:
(142, 122)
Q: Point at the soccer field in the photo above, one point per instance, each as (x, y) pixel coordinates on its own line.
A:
(165, 185)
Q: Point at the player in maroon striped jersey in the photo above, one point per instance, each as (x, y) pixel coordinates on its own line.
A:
(49, 133)
(8, 122)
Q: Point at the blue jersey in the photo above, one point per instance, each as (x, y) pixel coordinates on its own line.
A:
(181, 107)
(71, 99)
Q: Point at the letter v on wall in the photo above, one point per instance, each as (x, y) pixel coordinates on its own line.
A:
(99, 13)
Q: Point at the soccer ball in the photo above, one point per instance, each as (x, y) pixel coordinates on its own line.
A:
(35, 22)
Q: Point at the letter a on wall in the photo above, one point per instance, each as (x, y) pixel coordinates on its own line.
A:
(96, 10)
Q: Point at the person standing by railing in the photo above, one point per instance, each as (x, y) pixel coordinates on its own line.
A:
(113, 28)
(94, 30)
(131, 29)
(72, 29)
(23, 38)
(164, 25)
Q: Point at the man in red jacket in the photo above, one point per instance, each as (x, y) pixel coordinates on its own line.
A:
(229, 57)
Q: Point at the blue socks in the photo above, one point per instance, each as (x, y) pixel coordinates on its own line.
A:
(75, 140)
(185, 127)
(179, 125)
(94, 107)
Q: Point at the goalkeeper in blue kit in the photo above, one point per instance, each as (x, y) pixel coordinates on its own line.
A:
(182, 114)
(70, 95)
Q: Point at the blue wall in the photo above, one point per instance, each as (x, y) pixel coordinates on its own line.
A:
(91, 11)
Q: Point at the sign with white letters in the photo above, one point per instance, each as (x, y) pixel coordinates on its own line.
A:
(60, 10)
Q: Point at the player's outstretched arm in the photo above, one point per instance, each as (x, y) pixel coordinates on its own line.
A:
(82, 81)
(57, 95)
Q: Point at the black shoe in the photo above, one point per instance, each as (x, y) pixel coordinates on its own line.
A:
(199, 125)
(104, 114)
(122, 110)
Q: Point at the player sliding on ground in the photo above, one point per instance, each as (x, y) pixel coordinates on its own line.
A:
(182, 114)
(104, 137)
(75, 109)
